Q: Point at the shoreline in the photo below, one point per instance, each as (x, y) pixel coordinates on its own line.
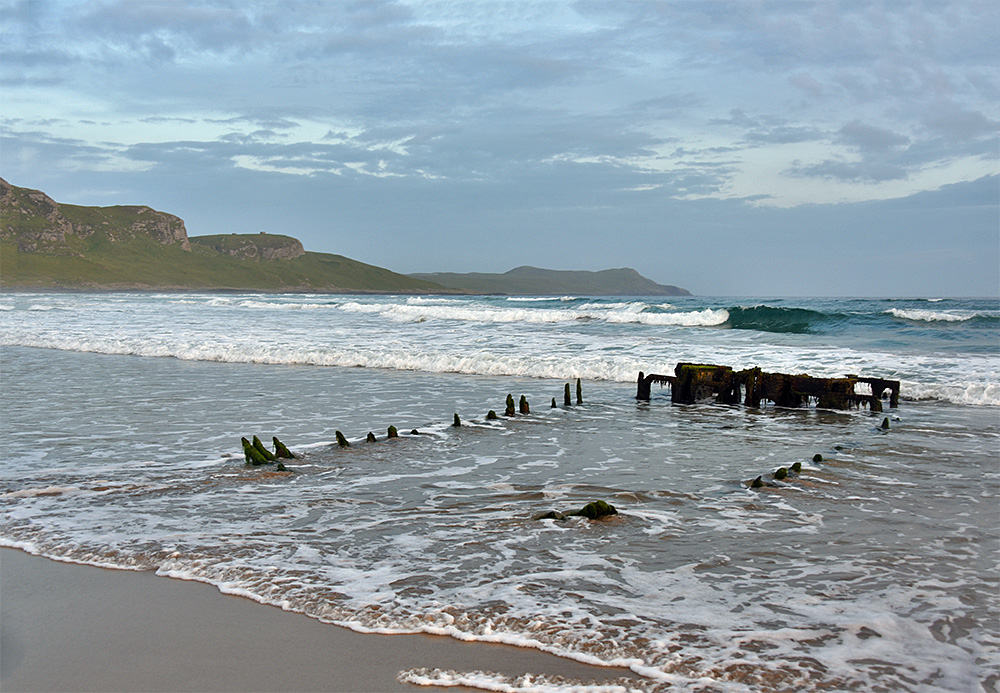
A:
(74, 627)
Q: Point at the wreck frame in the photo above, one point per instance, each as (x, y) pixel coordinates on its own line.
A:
(694, 382)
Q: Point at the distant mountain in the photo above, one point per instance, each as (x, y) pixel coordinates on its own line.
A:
(532, 281)
(45, 244)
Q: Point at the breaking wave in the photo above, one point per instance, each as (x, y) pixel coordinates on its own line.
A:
(636, 312)
(776, 319)
(932, 316)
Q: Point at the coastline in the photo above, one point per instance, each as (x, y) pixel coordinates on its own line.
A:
(146, 289)
(72, 627)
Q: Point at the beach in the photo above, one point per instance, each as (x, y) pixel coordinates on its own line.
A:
(452, 551)
(70, 627)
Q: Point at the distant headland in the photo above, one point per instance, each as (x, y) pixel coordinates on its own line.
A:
(533, 281)
(50, 245)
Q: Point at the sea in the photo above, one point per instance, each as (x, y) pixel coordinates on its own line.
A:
(876, 567)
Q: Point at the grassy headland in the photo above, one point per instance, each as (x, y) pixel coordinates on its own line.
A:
(48, 245)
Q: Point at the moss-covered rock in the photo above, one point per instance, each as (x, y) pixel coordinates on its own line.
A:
(371, 437)
(392, 432)
(796, 467)
(491, 415)
(817, 457)
(780, 473)
(757, 483)
(595, 510)
(341, 440)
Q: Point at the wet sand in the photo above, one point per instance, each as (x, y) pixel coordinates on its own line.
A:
(68, 627)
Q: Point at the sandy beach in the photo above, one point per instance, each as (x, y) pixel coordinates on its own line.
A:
(69, 627)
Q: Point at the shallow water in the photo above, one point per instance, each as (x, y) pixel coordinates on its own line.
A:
(874, 569)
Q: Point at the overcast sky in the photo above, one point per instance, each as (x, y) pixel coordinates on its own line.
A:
(733, 148)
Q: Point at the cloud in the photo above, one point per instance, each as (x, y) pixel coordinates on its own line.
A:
(562, 123)
(865, 171)
(869, 138)
(169, 27)
(957, 124)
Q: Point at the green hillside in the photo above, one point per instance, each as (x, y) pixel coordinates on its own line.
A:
(48, 245)
(146, 264)
(44, 244)
(532, 281)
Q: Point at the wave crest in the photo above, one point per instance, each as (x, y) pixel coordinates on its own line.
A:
(921, 315)
(777, 319)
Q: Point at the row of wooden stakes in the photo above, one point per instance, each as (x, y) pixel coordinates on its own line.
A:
(256, 453)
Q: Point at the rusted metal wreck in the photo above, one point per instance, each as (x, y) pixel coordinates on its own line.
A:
(694, 382)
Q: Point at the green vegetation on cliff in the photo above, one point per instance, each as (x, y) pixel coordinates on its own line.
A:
(146, 264)
(44, 244)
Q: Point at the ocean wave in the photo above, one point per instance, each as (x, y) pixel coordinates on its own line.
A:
(429, 300)
(778, 319)
(919, 315)
(526, 683)
(978, 394)
(978, 385)
(617, 313)
(275, 305)
(537, 299)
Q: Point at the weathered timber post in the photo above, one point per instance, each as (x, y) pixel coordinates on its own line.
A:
(566, 399)
(751, 381)
(280, 450)
(641, 387)
(259, 446)
(579, 392)
(252, 454)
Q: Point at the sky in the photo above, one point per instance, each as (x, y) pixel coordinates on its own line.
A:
(785, 148)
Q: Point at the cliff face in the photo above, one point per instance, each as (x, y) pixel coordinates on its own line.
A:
(262, 246)
(38, 224)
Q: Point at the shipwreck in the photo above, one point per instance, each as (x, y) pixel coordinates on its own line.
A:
(698, 382)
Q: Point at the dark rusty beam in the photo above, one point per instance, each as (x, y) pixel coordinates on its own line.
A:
(645, 381)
